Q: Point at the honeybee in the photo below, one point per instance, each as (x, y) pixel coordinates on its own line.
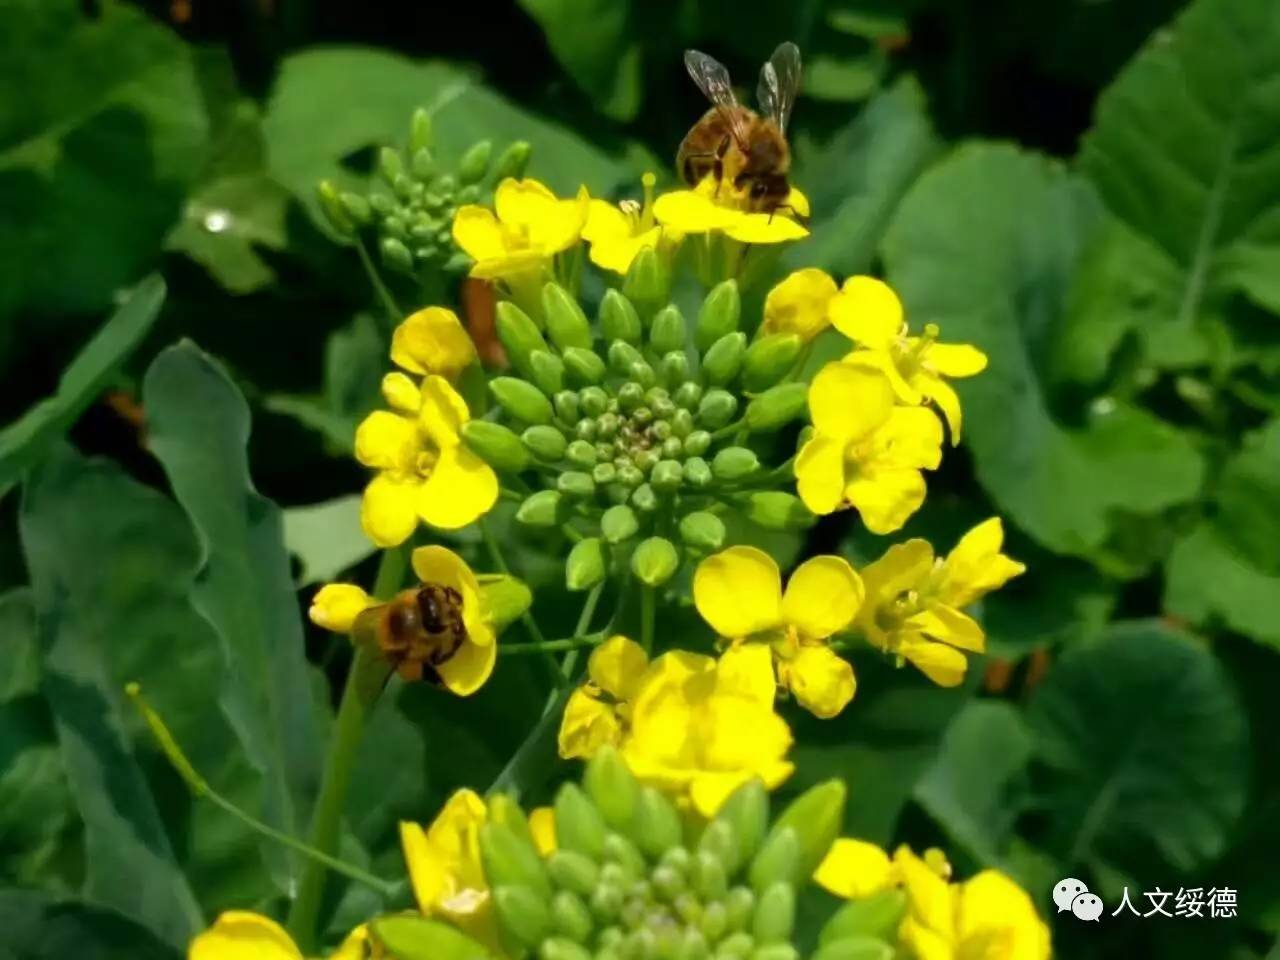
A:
(419, 629)
(734, 142)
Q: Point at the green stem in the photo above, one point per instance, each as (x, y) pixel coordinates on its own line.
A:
(526, 618)
(648, 600)
(384, 294)
(729, 429)
(572, 644)
(365, 681)
(584, 621)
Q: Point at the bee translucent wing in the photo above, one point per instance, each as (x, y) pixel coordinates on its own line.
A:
(779, 84)
(712, 78)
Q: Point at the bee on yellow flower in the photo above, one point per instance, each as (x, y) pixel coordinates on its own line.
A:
(914, 602)
(739, 593)
(598, 713)
(715, 206)
(618, 233)
(432, 341)
(524, 231)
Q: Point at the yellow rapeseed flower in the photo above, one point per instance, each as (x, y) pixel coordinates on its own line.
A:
(598, 712)
(914, 601)
(618, 233)
(739, 592)
(432, 340)
(869, 313)
(865, 452)
(527, 226)
(424, 470)
(717, 206)
(702, 727)
(799, 304)
(243, 935)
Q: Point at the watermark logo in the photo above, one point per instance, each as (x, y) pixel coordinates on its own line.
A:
(1065, 893)
(1214, 903)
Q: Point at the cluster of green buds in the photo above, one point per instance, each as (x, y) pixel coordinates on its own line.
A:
(632, 879)
(642, 425)
(413, 221)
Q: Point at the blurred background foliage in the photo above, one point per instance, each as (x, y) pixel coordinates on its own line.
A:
(1089, 190)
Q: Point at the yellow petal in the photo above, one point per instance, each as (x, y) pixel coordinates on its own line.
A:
(443, 411)
(820, 474)
(336, 606)
(931, 902)
(461, 489)
(955, 359)
(738, 591)
(401, 393)
(976, 566)
(542, 825)
(606, 222)
(356, 945)
(942, 664)
(854, 869)
(691, 212)
(454, 838)
(562, 228)
(387, 441)
(799, 304)
(523, 202)
(940, 622)
(910, 437)
(940, 392)
(821, 680)
(709, 790)
(903, 567)
(615, 254)
(848, 401)
(470, 666)
(388, 513)
(587, 725)
(882, 359)
(432, 340)
(513, 264)
(798, 202)
(441, 566)
(922, 943)
(477, 231)
(616, 667)
(822, 597)
(241, 935)
(426, 874)
(993, 906)
(868, 312)
(887, 498)
(746, 670)
(764, 228)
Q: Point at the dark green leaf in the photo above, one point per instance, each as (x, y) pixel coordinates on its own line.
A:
(596, 44)
(222, 224)
(326, 538)
(1209, 580)
(39, 927)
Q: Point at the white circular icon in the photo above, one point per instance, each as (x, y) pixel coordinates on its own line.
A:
(1066, 891)
(1087, 906)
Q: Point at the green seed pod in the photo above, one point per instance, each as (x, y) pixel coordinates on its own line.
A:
(566, 323)
(604, 473)
(574, 871)
(736, 946)
(778, 859)
(697, 472)
(475, 162)
(719, 314)
(544, 442)
(777, 510)
(618, 319)
(585, 566)
(410, 937)
(768, 360)
(521, 399)
(816, 816)
(709, 877)
(579, 825)
(856, 948)
(746, 811)
(571, 917)
(576, 484)
(717, 408)
(496, 445)
(697, 443)
(701, 530)
(674, 368)
(522, 914)
(655, 561)
(723, 359)
(647, 280)
(423, 165)
(541, 509)
(645, 500)
(519, 335)
(775, 951)
(688, 395)
(585, 366)
(357, 208)
(390, 165)
(666, 476)
(593, 401)
(621, 357)
(509, 859)
(668, 330)
(512, 161)
(566, 405)
(734, 463)
(610, 784)
(419, 131)
(547, 371)
(657, 825)
(395, 255)
(582, 453)
(777, 407)
(775, 914)
(619, 523)
(561, 948)
(641, 373)
(877, 916)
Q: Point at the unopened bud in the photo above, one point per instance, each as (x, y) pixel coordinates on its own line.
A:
(611, 786)
(409, 937)
(646, 281)
(522, 914)
(593, 401)
(778, 859)
(541, 509)
(510, 859)
(734, 463)
(668, 330)
(357, 208)
(395, 255)
(475, 162)
(816, 817)
(505, 598)
(877, 916)
(777, 407)
(674, 368)
(579, 825)
(585, 566)
(518, 334)
(619, 523)
(585, 366)
(622, 356)
(544, 442)
(521, 399)
(746, 812)
(640, 372)
(571, 916)
(717, 408)
(702, 531)
(576, 484)
(582, 453)
(657, 827)
(547, 371)
(420, 131)
(562, 948)
(688, 395)
(496, 445)
(618, 319)
(697, 472)
(709, 877)
(512, 161)
(718, 315)
(574, 871)
(566, 405)
(655, 561)
(769, 359)
(723, 359)
(666, 476)
(775, 914)
(423, 165)
(645, 500)
(390, 166)
(776, 510)
(566, 323)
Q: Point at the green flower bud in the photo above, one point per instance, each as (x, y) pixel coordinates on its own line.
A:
(419, 131)
(776, 951)
(645, 500)
(688, 395)
(522, 914)
(674, 368)
(622, 356)
(655, 561)
(736, 946)
(630, 396)
(668, 330)
(697, 472)
(718, 315)
(468, 194)
(547, 371)
(607, 426)
(714, 922)
(663, 408)
(404, 186)
(657, 825)
(395, 255)
(746, 812)
(519, 335)
(566, 405)
(395, 226)
(576, 484)
(585, 566)
(775, 914)
(647, 280)
(544, 442)
(666, 476)
(390, 165)
(768, 360)
(619, 523)
(672, 448)
(697, 443)
(709, 877)
(734, 463)
(496, 445)
(618, 849)
(584, 366)
(504, 809)
(777, 860)
(585, 429)
(566, 323)
(475, 162)
(618, 319)
(718, 840)
(574, 871)
(579, 825)
(777, 407)
(668, 883)
(702, 530)
(410, 937)
(559, 948)
(740, 907)
(521, 399)
(629, 475)
(606, 902)
(856, 948)
(423, 164)
(776, 510)
(506, 598)
(723, 359)
(661, 430)
(610, 784)
(571, 916)
(593, 401)
(642, 415)
(541, 509)
(877, 916)
(582, 453)
(357, 208)
(382, 205)
(509, 859)
(641, 373)
(512, 161)
(604, 473)
(717, 408)
(445, 184)
(816, 817)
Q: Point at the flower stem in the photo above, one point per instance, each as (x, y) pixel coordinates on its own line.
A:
(365, 681)
(572, 644)
(384, 294)
(648, 600)
(584, 621)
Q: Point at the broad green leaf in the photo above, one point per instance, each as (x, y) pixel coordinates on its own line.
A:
(24, 442)
(1185, 151)
(1208, 581)
(199, 427)
(101, 126)
(1248, 498)
(1145, 746)
(1059, 471)
(330, 104)
(977, 786)
(595, 41)
(40, 927)
(326, 538)
(225, 220)
(1060, 601)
